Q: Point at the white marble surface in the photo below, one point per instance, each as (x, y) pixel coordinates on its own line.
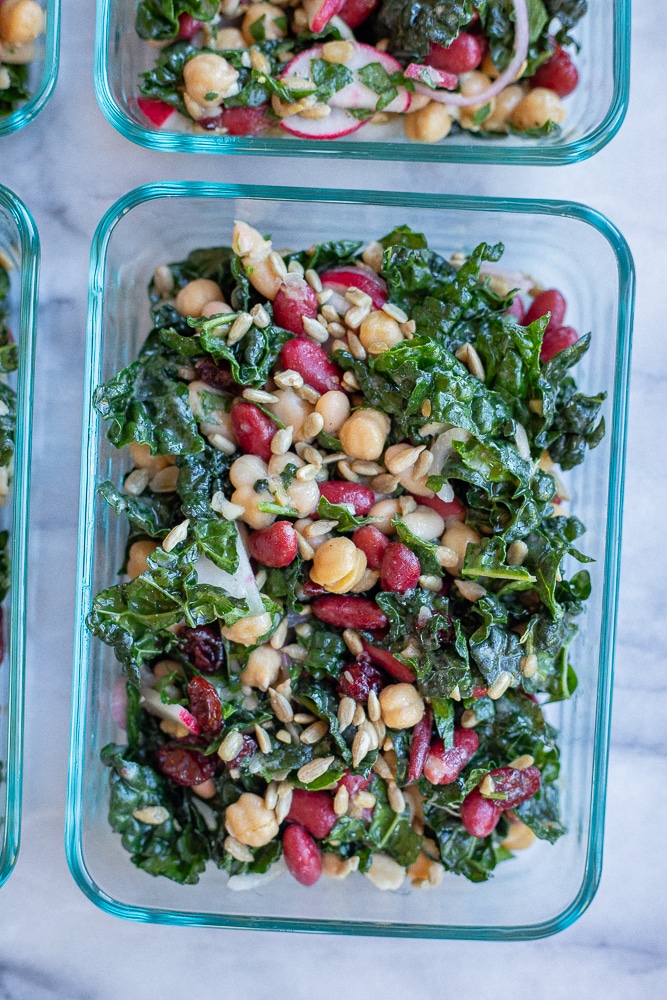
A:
(69, 166)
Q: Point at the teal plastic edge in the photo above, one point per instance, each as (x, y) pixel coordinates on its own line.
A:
(574, 152)
(32, 107)
(626, 287)
(30, 259)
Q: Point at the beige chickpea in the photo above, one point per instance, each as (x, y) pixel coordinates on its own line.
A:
(21, 21)
(334, 408)
(278, 463)
(274, 24)
(385, 873)
(363, 435)
(402, 706)
(250, 821)
(537, 108)
(425, 523)
(246, 631)
(506, 101)
(304, 496)
(457, 537)
(417, 102)
(209, 78)
(428, 124)
(473, 83)
(292, 411)
(379, 328)
(246, 497)
(192, 298)
(338, 565)
(137, 556)
(229, 38)
(215, 308)
(263, 668)
(254, 251)
(383, 514)
(142, 458)
(246, 470)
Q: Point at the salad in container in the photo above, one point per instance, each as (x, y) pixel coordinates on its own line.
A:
(22, 22)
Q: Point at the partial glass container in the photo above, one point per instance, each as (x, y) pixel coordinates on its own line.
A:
(595, 110)
(43, 72)
(566, 245)
(19, 254)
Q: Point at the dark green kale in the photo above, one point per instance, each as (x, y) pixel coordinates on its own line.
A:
(412, 25)
(12, 97)
(157, 20)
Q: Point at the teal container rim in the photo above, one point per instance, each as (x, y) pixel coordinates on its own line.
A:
(82, 639)
(34, 105)
(528, 155)
(30, 263)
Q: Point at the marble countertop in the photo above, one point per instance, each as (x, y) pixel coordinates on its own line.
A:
(69, 166)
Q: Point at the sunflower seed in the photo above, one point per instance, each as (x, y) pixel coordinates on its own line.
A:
(361, 744)
(341, 801)
(396, 799)
(238, 850)
(263, 740)
(346, 709)
(230, 746)
(239, 328)
(259, 396)
(314, 769)
(316, 732)
(280, 704)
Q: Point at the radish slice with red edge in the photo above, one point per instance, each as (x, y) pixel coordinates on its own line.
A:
(507, 76)
(431, 77)
(151, 700)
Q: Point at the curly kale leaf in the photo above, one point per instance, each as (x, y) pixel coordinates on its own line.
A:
(157, 20)
(412, 25)
(17, 91)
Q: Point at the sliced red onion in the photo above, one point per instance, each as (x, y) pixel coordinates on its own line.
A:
(506, 77)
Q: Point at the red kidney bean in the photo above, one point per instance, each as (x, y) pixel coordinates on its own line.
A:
(312, 589)
(349, 612)
(371, 542)
(312, 810)
(205, 705)
(517, 785)
(355, 12)
(383, 658)
(202, 647)
(294, 300)
(557, 340)
(354, 783)
(245, 121)
(188, 26)
(311, 362)
(185, 765)
(442, 766)
(479, 815)
(549, 301)
(400, 570)
(463, 55)
(218, 375)
(360, 497)
(358, 679)
(253, 429)
(275, 546)
(420, 744)
(302, 855)
(447, 509)
(558, 74)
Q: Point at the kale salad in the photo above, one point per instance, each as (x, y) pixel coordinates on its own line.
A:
(21, 24)
(350, 585)
(322, 69)
(8, 363)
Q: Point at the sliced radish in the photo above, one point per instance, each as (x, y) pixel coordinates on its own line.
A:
(357, 94)
(340, 279)
(157, 112)
(334, 126)
(431, 76)
(320, 12)
(152, 702)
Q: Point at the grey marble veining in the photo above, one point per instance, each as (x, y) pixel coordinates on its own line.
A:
(69, 166)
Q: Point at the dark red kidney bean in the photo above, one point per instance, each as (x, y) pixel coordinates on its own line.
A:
(185, 765)
(357, 680)
(248, 749)
(275, 546)
(445, 508)
(516, 785)
(253, 429)
(479, 815)
(311, 362)
(400, 570)
(442, 767)
(372, 543)
(420, 744)
(312, 589)
(558, 74)
(383, 658)
(245, 121)
(312, 810)
(202, 647)
(479, 692)
(549, 301)
(205, 705)
(463, 55)
(360, 497)
(555, 341)
(349, 612)
(302, 855)
(219, 376)
(355, 12)
(517, 310)
(188, 26)
(294, 300)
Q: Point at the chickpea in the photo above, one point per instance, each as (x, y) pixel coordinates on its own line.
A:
(215, 309)
(246, 631)
(229, 38)
(506, 101)
(430, 123)
(205, 789)
(291, 410)
(383, 512)
(338, 565)
(255, 518)
(363, 435)
(457, 537)
(193, 297)
(142, 458)
(425, 523)
(250, 821)
(138, 554)
(246, 470)
(402, 706)
(274, 24)
(254, 252)
(474, 83)
(334, 408)
(537, 108)
(417, 102)
(379, 328)
(208, 79)
(278, 463)
(304, 496)
(21, 21)
(263, 668)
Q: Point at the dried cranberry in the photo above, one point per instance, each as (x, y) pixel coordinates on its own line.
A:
(202, 647)
(461, 56)
(556, 340)
(358, 679)
(549, 301)
(245, 120)
(218, 376)
(354, 783)
(360, 497)
(558, 74)
(205, 705)
(188, 26)
(249, 749)
(311, 362)
(184, 765)
(275, 546)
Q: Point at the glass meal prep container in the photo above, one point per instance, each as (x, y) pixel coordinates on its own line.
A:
(576, 250)
(43, 72)
(595, 110)
(19, 255)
